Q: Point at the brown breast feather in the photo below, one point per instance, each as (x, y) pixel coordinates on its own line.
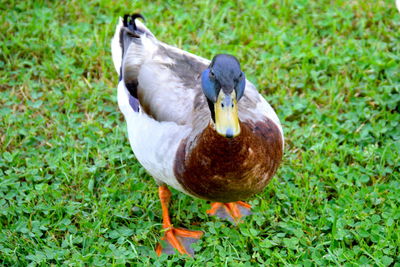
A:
(225, 170)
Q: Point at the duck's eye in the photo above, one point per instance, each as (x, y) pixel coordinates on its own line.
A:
(239, 78)
(222, 105)
(212, 74)
(233, 105)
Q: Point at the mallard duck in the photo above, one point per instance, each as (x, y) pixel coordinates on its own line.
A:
(195, 125)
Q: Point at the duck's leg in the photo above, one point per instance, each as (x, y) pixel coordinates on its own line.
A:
(177, 238)
(232, 211)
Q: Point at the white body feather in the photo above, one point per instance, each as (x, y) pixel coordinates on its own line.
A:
(154, 143)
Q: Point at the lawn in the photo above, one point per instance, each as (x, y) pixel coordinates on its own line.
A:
(72, 193)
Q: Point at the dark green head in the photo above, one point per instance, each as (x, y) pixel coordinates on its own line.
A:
(223, 84)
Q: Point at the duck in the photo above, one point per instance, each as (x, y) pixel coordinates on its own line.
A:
(195, 125)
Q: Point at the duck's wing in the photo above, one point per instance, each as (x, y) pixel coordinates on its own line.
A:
(154, 141)
(164, 80)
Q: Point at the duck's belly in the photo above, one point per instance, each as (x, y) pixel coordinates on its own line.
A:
(225, 188)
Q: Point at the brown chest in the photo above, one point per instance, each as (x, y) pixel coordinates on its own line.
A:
(226, 170)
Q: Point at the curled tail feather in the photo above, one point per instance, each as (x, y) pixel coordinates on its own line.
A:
(127, 28)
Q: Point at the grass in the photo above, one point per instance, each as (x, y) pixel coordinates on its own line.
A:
(72, 193)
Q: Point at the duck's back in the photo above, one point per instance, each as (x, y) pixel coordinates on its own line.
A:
(164, 79)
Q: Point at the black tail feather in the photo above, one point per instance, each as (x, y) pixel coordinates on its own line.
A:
(129, 21)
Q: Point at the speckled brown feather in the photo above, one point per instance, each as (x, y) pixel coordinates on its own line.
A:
(226, 170)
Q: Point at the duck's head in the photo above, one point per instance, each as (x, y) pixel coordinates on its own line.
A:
(223, 84)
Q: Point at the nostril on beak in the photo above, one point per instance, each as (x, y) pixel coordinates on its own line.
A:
(229, 133)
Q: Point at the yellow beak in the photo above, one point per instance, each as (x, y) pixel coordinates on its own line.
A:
(226, 115)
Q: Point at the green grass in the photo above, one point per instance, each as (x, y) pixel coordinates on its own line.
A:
(72, 193)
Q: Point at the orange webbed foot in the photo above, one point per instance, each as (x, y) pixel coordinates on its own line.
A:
(233, 211)
(180, 239)
(175, 238)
